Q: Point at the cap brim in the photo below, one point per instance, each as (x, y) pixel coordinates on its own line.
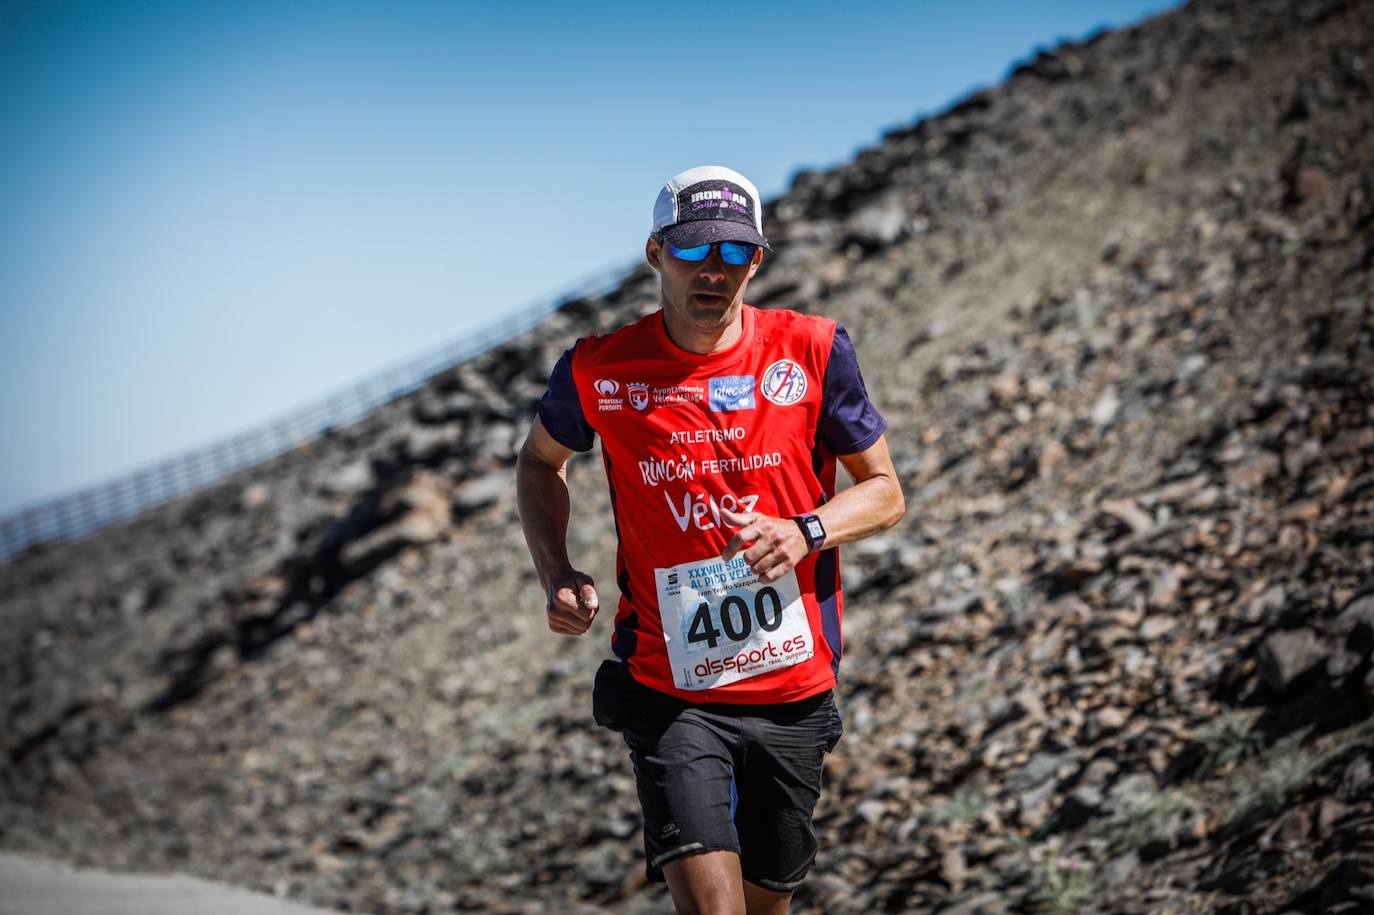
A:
(706, 231)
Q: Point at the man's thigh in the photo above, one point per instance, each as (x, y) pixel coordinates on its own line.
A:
(778, 790)
(685, 776)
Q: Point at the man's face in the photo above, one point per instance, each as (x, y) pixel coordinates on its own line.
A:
(706, 295)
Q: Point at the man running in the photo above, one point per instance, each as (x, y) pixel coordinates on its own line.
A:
(720, 427)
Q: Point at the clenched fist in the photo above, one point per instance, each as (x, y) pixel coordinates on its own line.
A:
(572, 603)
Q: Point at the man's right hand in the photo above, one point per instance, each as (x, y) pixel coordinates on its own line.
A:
(572, 603)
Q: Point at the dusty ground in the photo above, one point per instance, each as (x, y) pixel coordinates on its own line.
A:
(39, 887)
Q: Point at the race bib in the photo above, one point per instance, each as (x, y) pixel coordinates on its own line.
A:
(722, 624)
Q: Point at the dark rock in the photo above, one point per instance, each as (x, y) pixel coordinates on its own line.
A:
(1267, 607)
(1076, 810)
(1348, 887)
(1036, 771)
(956, 606)
(877, 226)
(351, 480)
(1358, 775)
(1358, 612)
(1130, 791)
(988, 903)
(483, 491)
(1285, 656)
(427, 445)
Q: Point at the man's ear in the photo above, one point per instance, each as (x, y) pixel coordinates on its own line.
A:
(755, 261)
(652, 252)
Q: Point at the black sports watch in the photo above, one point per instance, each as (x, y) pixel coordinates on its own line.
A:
(812, 530)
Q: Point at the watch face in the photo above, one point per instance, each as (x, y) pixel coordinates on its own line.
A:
(814, 529)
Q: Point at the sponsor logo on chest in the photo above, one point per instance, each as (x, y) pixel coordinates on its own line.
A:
(607, 394)
(641, 395)
(732, 392)
(784, 383)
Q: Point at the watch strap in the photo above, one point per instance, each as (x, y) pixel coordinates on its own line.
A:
(812, 530)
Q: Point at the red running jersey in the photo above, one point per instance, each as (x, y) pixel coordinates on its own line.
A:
(754, 429)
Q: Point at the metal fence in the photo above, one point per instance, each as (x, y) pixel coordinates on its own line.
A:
(85, 510)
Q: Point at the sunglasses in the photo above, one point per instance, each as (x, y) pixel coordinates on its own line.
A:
(734, 253)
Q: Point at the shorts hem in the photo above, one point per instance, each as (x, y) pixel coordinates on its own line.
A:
(777, 886)
(654, 869)
(674, 853)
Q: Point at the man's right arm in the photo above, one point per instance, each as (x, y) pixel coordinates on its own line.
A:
(542, 496)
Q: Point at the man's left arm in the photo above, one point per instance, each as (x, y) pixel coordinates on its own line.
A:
(774, 546)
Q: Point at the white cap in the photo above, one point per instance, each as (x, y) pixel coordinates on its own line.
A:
(706, 204)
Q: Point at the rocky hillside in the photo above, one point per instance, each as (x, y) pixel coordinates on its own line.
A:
(1119, 314)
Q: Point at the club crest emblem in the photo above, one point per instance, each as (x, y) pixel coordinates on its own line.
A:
(784, 383)
(639, 395)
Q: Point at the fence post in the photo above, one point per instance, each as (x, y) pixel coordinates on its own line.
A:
(143, 489)
(221, 457)
(31, 529)
(114, 496)
(9, 536)
(63, 512)
(165, 481)
(88, 517)
(176, 475)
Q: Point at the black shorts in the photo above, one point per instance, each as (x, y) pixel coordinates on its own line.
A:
(741, 778)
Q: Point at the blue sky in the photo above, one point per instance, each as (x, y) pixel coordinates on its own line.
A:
(211, 213)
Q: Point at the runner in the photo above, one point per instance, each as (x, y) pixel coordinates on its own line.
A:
(720, 427)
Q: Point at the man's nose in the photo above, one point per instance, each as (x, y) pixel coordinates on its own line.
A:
(713, 265)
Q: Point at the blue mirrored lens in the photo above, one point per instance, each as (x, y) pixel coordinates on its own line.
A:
(690, 254)
(736, 253)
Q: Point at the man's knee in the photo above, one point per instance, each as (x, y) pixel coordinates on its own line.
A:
(706, 883)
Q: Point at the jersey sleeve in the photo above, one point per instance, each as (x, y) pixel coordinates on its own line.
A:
(560, 410)
(849, 422)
